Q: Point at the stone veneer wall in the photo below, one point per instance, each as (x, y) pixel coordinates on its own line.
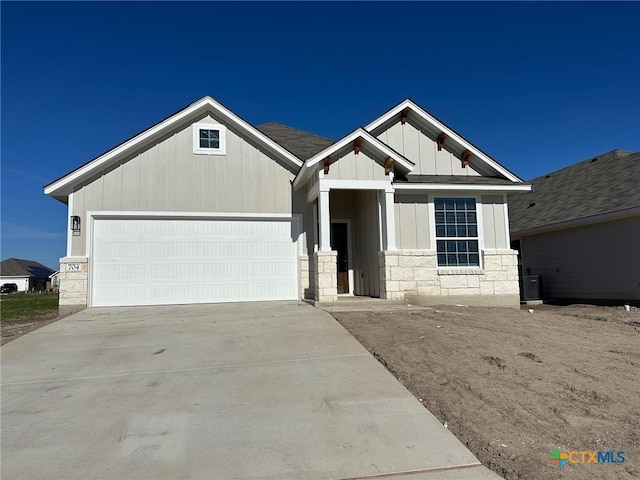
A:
(74, 281)
(325, 273)
(305, 277)
(416, 272)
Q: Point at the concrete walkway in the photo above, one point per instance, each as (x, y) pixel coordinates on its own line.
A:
(234, 391)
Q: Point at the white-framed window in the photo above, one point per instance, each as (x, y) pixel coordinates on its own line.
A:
(457, 240)
(209, 139)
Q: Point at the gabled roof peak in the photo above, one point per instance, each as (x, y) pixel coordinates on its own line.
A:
(436, 125)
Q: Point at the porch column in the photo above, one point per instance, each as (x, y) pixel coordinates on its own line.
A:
(390, 219)
(325, 221)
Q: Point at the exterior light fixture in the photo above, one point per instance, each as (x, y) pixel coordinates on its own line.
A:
(75, 224)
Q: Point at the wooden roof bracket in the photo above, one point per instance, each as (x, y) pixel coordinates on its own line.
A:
(405, 115)
(465, 158)
(441, 138)
(326, 164)
(357, 145)
(388, 163)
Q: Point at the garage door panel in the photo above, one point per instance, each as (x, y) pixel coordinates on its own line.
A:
(151, 262)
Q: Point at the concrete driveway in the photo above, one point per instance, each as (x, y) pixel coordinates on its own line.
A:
(234, 391)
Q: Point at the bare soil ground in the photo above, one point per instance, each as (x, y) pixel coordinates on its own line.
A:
(11, 331)
(513, 385)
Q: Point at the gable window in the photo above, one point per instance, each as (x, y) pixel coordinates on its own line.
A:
(209, 139)
(457, 232)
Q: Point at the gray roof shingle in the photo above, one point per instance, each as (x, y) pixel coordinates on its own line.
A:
(17, 267)
(607, 183)
(454, 179)
(302, 144)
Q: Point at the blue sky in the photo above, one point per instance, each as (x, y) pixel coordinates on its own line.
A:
(537, 86)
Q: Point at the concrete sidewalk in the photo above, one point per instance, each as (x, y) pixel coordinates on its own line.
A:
(233, 391)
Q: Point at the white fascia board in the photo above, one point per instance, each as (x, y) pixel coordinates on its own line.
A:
(578, 222)
(202, 104)
(367, 137)
(443, 128)
(459, 186)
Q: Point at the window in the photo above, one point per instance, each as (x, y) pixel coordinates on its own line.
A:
(457, 232)
(209, 139)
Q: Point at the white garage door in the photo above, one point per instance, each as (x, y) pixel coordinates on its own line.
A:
(171, 261)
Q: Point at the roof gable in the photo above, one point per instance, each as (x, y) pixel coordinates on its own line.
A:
(407, 107)
(360, 133)
(64, 185)
(604, 184)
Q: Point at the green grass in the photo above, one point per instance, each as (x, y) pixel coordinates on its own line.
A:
(21, 307)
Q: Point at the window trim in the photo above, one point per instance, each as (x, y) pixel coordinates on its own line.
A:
(480, 223)
(222, 130)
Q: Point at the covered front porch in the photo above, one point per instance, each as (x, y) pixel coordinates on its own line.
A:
(355, 222)
(350, 202)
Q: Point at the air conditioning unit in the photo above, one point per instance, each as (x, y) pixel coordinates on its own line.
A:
(531, 287)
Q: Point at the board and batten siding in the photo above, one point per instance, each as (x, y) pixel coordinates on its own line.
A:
(495, 227)
(361, 208)
(166, 176)
(356, 166)
(412, 220)
(599, 261)
(420, 147)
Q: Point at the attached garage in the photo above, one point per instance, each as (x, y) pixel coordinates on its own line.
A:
(160, 261)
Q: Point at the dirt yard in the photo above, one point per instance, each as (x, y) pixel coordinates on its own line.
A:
(513, 385)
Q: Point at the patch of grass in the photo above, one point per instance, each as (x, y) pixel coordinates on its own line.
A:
(23, 307)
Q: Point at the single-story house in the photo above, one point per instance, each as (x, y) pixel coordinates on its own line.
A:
(28, 275)
(205, 207)
(579, 229)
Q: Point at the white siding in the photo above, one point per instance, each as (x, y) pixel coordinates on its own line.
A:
(420, 146)
(493, 216)
(356, 166)
(412, 222)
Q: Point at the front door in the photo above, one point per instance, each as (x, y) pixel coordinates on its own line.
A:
(340, 243)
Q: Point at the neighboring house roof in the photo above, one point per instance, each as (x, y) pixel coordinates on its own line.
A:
(452, 137)
(600, 185)
(17, 267)
(61, 187)
(302, 144)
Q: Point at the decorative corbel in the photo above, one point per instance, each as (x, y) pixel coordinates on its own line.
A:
(357, 145)
(465, 158)
(441, 138)
(405, 115)
(388, 163)
(326, 164)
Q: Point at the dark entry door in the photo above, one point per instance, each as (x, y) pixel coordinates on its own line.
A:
(339, 243)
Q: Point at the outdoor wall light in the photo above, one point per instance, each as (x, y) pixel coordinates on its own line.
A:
(75, 224)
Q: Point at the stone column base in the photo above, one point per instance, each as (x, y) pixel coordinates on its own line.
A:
(326, 276)
(74, 282)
